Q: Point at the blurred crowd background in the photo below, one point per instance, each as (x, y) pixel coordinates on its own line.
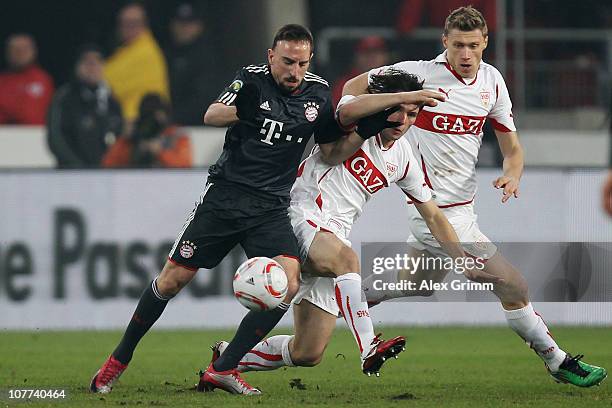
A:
(124, 84)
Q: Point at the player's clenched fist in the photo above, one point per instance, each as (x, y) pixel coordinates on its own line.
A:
(247, 102)
(510, 186)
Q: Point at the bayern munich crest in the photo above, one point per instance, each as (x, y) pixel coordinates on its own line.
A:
(311, 111)
(187, 249)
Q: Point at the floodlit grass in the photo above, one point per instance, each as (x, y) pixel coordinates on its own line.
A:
(441, 367)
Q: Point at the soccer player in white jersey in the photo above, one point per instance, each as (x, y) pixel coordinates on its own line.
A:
(325, 202)
(446, 139)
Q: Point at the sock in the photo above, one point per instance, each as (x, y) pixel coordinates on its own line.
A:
(531, 327)
(268, 354)
(253, 328)
(149, 309)
(355, 310)
(377, 295)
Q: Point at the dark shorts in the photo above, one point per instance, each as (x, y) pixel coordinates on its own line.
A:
(227, 215)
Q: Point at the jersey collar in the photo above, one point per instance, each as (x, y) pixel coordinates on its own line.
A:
(442, 59)
(380, 145)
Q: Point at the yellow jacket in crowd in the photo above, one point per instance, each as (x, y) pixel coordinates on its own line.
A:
(135, 70)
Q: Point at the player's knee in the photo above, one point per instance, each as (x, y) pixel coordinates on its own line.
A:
(346, 262)
(308, 358)
(324, 266)
(173, 278)
(293, 286)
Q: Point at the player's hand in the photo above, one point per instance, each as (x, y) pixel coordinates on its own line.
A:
(510, 186)
(416, 99)
(247, 102)
(373, 124)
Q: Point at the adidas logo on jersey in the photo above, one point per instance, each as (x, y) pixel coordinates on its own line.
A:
(265, 106)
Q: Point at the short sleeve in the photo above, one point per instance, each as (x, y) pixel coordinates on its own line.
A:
(412, 182)
(351, 126)
(501, 113)
(327, 129)
(229, 93)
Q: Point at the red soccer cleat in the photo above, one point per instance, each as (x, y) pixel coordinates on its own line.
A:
(380, 352)
(103, 380)
(229, 381)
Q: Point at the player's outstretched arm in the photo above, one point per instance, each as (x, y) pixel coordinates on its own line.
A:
(336, 152)
(445, 234)
(369, 114)
(366, 105)
(366, 127)
(513, 164)
(220, 115)
(357, 85)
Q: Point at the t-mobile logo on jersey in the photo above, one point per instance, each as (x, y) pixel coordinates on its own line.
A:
(271, 132)
(365, 172)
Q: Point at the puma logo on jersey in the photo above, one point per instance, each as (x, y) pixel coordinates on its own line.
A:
(265, 106)
(365, 172)
(445, 92)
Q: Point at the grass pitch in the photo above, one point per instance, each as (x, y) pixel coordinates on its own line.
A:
(441, 367)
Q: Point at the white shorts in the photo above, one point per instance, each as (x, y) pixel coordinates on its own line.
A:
(319, 291)
(463, 220)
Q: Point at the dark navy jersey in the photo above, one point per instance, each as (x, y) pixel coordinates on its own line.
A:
(264, 154)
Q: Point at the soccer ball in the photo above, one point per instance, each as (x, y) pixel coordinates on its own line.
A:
(260, 284)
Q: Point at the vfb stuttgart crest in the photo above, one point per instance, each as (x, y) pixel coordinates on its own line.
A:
(187, 249)
(485, 98)
(311, 111)
(391, 169)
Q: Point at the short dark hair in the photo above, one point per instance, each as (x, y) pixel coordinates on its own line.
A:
(293, 32)
(466, 19)
(393, 80)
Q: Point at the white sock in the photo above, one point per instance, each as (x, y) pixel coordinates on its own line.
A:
(376, 296)
(355, 310)
(268, 354)
(531, 327)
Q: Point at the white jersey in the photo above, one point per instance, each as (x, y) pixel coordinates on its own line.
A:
(446, 138)
(338, 193)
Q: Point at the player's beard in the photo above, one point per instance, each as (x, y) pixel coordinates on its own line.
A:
(290, 86)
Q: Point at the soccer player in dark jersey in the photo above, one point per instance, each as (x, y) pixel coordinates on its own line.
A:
(271, 110)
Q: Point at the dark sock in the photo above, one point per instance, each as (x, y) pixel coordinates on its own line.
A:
(149, 309)
(253, 328)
